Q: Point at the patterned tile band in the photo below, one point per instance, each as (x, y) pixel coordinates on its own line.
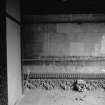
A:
(64, 84)
(61, 81)
(64, 76)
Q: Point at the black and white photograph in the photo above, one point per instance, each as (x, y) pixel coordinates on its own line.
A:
(52, 52)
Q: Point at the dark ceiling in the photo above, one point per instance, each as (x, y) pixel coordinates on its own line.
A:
(62, 6)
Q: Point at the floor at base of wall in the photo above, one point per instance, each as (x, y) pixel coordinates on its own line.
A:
(61, 97)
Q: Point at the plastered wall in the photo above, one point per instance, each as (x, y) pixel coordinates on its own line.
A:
(65, 39)
(13, 52)
(13, 62)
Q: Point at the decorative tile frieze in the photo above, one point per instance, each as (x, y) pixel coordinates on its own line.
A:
(32, 75)
(64, 84)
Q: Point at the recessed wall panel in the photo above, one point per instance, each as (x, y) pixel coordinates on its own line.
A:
(13, 61)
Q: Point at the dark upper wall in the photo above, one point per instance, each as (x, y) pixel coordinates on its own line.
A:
(13, 8)
(62, 35)
(60, 7)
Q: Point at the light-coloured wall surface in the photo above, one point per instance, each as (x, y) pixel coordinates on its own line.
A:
(13, 51)
(13, 62)
(65, 69)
